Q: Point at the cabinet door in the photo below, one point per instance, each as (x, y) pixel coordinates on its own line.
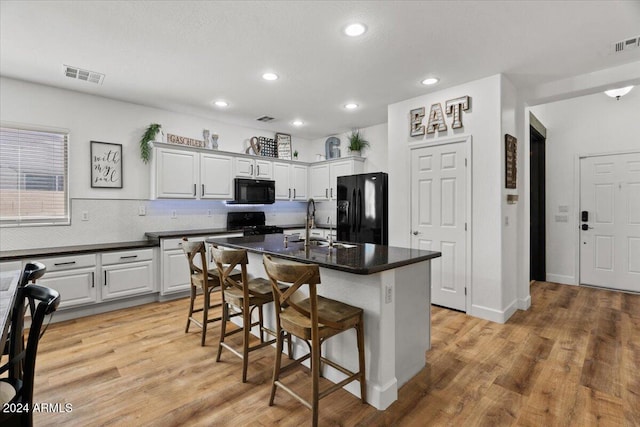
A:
(319, 182)
(175, 271)
(281, 176)
(176, 174)
(299, 182)
(263, 169)
(216, 176)
(244, 167)
(133, 278)
(338, 169)
(76, 287)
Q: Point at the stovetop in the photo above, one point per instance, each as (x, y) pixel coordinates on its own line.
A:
(251, 223)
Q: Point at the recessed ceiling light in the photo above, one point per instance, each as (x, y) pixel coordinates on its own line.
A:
(430, 81)
(221, 103)
(355, 30)
(297, 123)
(351, 106)
(270, 76)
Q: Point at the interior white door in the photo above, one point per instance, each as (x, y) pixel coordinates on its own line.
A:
(610, 231)
(438, 217)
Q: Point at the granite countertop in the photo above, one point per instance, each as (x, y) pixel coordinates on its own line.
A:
(72, 250)
(157, 235)
(363, 258)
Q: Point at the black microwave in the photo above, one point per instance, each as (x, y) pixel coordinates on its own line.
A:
(254, 191)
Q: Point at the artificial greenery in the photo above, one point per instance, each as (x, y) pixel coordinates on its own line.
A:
(149, 135)
(295, 154)
(357, 141)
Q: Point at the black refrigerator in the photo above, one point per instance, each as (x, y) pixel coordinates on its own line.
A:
(362, 208)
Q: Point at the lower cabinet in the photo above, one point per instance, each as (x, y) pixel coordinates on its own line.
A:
(74, 277)
(127, 273)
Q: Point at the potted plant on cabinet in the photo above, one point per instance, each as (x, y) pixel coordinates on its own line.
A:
(149, 136)
(356, 142)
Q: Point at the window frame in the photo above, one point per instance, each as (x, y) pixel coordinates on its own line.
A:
(44, 221)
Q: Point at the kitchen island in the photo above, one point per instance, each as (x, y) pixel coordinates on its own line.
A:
(392, 286)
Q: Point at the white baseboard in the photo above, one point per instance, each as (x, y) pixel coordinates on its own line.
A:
(524, 303)
(562, 279)
(498, 316)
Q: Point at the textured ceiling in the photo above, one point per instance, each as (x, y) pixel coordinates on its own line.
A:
(182, 55)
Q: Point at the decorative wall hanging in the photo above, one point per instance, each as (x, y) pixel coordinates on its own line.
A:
(269, 148)
(283, 142)
(106, 165)
(183, 140)
(436, 121)
(510, 161)
(254, 144)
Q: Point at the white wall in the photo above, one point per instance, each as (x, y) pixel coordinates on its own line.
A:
(113, 212)
(585, 125)
(489, 298)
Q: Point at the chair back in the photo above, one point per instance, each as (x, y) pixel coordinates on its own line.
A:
(226, 260)
(46, 301)
(295, 275)
(32, 272)
(194, 250)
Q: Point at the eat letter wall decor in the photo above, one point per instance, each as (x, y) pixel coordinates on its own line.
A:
(453, 107)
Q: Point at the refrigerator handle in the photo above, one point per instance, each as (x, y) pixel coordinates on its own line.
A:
(353, 211)
(359, 210)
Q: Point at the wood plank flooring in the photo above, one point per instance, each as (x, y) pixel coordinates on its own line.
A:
(572, 359)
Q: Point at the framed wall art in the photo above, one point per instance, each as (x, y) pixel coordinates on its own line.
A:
(283, 141)
(106, 165)
(510, 161)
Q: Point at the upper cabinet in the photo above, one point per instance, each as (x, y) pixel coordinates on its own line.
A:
(291, 181)
(246, 167)
(189, 174)
(323, 177)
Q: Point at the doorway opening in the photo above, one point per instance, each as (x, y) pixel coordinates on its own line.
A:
(537, 257)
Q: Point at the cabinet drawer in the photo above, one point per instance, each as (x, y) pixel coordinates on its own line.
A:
(126, 256)
(68, 262)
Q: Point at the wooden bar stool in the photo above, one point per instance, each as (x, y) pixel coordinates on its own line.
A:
(203, 279)
(314, 319)
(245, 294)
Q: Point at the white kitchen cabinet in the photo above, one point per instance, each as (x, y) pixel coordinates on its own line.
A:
(291, 181)
(74, 277)
(175, 267)
(127, 273)
(246, 167)
(176, 173)
(216, 176)
(323, 177)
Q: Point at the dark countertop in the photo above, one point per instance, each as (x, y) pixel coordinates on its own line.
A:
(157, 235)
(365, 258)
(73, 250)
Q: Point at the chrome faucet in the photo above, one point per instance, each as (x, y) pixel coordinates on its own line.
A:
(310, 221)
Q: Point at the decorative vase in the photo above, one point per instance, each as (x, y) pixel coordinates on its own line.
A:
(159, 136)
(355, 153)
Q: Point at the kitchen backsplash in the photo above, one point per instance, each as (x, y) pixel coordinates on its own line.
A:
(120, 221)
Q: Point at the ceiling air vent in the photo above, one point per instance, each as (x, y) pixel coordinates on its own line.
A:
(265, 119)
(626, 45)
(86, 75)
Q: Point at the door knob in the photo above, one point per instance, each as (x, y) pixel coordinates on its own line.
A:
(415, 233)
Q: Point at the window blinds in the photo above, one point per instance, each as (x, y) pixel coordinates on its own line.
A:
(33, 177)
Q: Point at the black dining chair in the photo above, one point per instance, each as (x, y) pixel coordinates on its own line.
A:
(46, 301)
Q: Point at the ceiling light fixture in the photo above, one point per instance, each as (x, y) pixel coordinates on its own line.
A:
(617, 93)
(355, 30)
(270, 76)
(351, 106)
(297, 123)
(430, 81)
(221, 103)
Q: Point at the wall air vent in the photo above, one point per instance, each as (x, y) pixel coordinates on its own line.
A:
(626, 45)
(86, 75)
(265, 119)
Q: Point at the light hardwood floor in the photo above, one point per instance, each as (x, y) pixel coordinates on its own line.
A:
(572, 359)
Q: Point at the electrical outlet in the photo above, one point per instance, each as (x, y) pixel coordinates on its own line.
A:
(174, 214)
(85, 215)
(142, 210)
(388, 294)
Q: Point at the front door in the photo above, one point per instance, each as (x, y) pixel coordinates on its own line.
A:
(438, 216)
(610, 221)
